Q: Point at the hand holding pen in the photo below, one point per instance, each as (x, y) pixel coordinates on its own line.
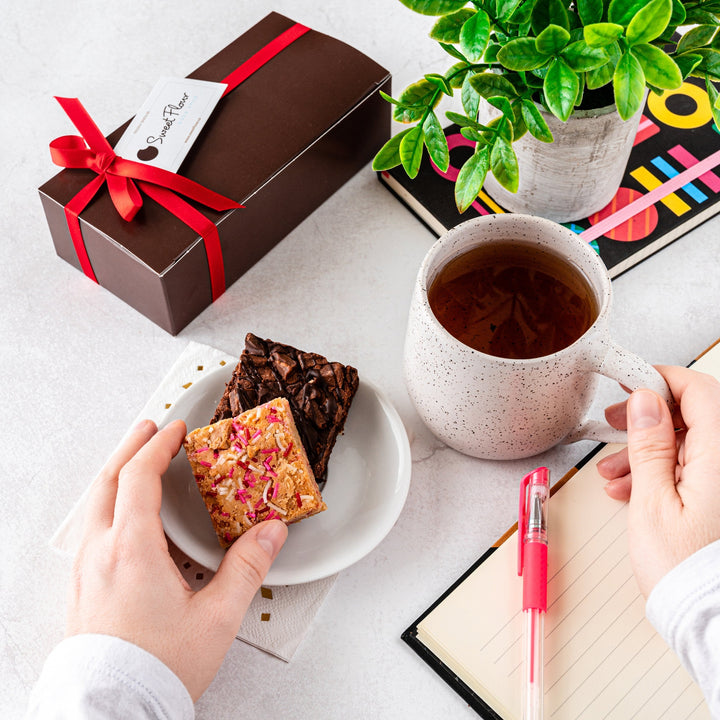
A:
(532, 565)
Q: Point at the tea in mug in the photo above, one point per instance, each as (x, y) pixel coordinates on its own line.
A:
(513, 300)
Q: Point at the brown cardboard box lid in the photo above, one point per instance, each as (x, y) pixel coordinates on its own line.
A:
(255, 131)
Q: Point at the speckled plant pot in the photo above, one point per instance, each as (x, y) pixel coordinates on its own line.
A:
(577, 174)
(499, 408)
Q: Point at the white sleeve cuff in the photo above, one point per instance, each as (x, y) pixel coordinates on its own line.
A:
(99, 676)
(684, 607)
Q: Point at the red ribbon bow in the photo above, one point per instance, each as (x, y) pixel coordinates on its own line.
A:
(125, 178)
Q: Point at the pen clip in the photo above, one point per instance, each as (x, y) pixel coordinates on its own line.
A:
(522, 521)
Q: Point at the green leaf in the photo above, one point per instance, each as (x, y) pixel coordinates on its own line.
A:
(470, 97)
(679, 14)
(519, 128)
(411, 150)
(491, 84)
(575, 24)
(549, 12)
(466, 121)
(558, 14)
(415, 99)
(503, 105)
(453, 51)
(392, 100)
(623, 11)
(459, 119)
(710, 63)
(434, 7)
(447, 28)
(601, 34)
(659, 69)
(471, 177)
(535, 122)
(436, 142)
(590, 11)
(697, 37)
(560, 89)
(502, 127)
(699, 16)
(521, 54)
(474, 36)
(581, 89)
(713, 94)
(504, 164)
(582, 58)
(522, 14)
(440, 82)
(534, 80)
(551, 40)
(714, 98)
(600, 76)
(473, 134)
(456, 74)
(629, 85)
(491, 52)
(388, 156)
(506, 8)
(687, 63)
(649, 22)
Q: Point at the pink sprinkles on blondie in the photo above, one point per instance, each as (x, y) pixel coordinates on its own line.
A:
(251, 468)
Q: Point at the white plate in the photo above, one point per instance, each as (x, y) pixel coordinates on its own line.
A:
(368, 481)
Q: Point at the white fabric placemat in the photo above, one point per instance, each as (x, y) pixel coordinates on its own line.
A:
(279, 616)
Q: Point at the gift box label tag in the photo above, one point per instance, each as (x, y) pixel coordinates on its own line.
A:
(169, 122)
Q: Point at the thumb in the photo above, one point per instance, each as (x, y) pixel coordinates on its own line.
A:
(652, 450)
(246, 564)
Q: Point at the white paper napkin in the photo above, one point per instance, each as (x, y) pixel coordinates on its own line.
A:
(279, 616)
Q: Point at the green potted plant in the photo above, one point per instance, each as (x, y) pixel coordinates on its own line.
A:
(522, 67)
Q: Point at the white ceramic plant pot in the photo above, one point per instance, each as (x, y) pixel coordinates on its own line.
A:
(574, 176)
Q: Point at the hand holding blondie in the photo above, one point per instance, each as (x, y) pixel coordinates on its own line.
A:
(126, 584)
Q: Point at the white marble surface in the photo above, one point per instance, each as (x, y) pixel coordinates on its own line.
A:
(77, 364)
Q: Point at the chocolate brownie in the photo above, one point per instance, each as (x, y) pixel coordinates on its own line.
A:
(319, 392)
(251, 468)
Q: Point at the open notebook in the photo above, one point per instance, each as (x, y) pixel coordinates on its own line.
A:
(603, 659)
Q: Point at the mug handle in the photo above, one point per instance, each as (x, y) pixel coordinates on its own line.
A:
(631, 371)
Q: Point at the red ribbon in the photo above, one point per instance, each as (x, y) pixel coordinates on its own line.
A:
(126, 178)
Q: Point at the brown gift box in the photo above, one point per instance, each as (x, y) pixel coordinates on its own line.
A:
(280, 144)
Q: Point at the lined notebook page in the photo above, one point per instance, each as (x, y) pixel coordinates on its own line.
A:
(603, 659)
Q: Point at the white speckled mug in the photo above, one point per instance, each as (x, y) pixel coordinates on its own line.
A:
(501, 408)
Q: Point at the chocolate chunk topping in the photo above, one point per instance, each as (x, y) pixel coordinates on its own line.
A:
(319, 392)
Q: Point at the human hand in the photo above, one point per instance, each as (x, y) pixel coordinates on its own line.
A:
(671, 477)
(126, 584)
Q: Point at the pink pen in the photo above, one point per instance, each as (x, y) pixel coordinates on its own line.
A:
(532, 565)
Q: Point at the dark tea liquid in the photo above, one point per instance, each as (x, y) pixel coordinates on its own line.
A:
(513, 300)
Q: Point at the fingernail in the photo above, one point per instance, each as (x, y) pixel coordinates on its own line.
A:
(644, 409)
(143, 425)
(271, 536)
